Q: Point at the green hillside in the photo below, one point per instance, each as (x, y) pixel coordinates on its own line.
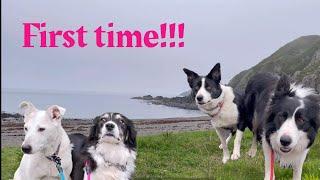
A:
(300, 59)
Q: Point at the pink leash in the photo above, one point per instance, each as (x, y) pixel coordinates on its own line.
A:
(272, 165)
(87, 171)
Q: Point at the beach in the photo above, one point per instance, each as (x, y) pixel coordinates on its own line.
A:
(12, 133)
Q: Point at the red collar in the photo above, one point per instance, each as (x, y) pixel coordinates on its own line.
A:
(219, 105)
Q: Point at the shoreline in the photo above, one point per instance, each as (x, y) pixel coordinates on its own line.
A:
(12, 133)
(185, 102)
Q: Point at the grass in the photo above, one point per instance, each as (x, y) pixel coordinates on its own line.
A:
(10, 158)
(190, 155)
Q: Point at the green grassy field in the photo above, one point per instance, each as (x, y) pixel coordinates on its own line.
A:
(190, 155)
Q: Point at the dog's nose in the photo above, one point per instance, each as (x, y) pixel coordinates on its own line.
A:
(109, 126)
(199, 98)
(285, 140)
(26, 149)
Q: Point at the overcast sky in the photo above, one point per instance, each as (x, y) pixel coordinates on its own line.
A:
(238, 34)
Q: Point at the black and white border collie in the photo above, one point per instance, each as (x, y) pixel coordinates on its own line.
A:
(109, 152)
(223, 105)
(286, 118)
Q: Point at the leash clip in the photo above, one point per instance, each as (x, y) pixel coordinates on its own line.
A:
(87, 169)
(57, 161)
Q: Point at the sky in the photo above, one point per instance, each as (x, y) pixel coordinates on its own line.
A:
(236, 33)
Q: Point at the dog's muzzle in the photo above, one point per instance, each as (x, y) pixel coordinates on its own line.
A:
(26, 149)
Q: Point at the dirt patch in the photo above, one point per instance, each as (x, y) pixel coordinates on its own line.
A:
(12, 129)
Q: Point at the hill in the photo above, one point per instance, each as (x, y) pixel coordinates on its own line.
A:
(300, 59)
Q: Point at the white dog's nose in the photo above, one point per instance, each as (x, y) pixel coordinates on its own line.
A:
(26, 149)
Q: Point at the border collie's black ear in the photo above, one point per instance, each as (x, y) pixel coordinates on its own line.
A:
(131, 136)
(283, 86)
(191, 76)
(215, 73)
(94, 131)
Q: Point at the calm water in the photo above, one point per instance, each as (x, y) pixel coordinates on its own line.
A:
(90, 105)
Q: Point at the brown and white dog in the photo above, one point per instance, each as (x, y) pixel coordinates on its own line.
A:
(109, 152)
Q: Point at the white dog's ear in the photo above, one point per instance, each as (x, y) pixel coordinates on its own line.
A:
(27, 108)
(56, 112)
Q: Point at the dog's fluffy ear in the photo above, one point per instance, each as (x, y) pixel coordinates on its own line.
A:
(131, 136)
(215, 73)
(191, 76)
(94, 131)
(56, 112)
(283, 87)
(27, 108)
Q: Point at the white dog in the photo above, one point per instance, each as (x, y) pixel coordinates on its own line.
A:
(44, 145)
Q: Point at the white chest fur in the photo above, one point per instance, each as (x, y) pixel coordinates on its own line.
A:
(107, 155)
(228, 114)
(291, 160)
(37, 166)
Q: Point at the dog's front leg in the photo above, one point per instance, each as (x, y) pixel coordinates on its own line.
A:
(223, 139)
(253, 150)
(228, 139)
(297, 167)
(267, 160)
(237, 145)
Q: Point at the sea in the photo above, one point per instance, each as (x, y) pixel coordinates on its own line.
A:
(88, 105)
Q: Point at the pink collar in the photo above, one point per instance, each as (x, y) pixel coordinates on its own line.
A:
(219, 105)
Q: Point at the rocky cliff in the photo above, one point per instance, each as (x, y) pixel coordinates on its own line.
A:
(300, 59)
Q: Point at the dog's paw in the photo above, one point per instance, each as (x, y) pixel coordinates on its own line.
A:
(235, 156)
(225, 159)
(252, 152)
(220, 146)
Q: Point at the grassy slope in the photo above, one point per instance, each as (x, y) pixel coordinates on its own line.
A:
(190, 155)
(294, 56)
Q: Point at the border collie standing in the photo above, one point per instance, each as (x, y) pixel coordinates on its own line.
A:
(223, 105)
(45, 144)
(108, 153)
(286, 117)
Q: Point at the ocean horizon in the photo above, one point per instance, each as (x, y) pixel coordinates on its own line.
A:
(90, 104)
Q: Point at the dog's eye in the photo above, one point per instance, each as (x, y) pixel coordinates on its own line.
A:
(25, 128)
(284, 115)
(122, 122)
(300, 120)
(41, 129)
(208, 88)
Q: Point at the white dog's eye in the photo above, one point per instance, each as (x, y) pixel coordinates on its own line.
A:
(41, 129)
(122, 121)
(25, 128)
